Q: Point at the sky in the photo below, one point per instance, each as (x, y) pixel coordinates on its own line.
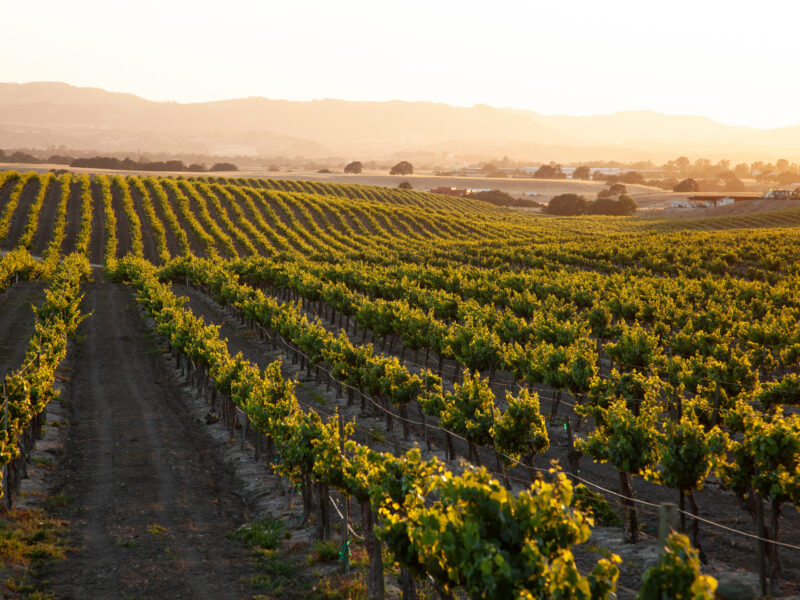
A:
(735, 62)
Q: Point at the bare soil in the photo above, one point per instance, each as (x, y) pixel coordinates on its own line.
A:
(98, 226)
(748, 207)
(240, 251)
(47, 219)
(149, 248)
(16, 322)
(152, 501)
(124, 227)
(73, 225)
(20, 217)
(5, 193)
(194, 242)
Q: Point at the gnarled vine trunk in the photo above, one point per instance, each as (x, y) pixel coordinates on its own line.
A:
(630, 520)
(375, 586)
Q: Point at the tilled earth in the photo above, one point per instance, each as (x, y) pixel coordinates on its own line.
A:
(152, 502)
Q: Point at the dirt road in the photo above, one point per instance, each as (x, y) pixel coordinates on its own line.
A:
(152, 503)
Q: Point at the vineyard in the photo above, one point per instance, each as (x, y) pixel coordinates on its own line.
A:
(462, 393)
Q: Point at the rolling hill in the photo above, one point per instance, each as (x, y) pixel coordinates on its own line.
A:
(45, 114)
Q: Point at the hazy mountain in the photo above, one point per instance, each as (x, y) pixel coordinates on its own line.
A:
(41, 115)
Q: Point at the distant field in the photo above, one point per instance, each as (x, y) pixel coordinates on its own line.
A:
(426, 181)
(421, 182)
(447, 327)
(739, 208)
(648, 198)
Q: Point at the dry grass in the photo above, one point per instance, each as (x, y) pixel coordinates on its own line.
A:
(426, 181)
(30, 541)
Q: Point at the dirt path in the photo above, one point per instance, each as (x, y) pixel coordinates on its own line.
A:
(98, 224)
(16, 322)
(152, 503)
(73, 225)
(47, 219)
(5, 193)
(148, 239)
(124, 226)
(195, 244)
(20, 217)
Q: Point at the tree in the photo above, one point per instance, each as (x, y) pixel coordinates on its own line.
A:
(732, 184)
(55, 159)
(582, 172)
(354, 167)
(402, 168)
(626, 205)
(567, 204)
(404, 185)
(618, 188)
(632, 177)
(224, 166)
(496, 173)
(549, 172)
(687, 185)
(604, 205)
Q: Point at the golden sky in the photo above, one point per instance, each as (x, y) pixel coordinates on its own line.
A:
(733, 61)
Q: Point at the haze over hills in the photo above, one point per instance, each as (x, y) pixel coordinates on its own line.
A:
(44, 114)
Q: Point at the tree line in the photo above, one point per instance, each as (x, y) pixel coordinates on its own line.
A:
(111, 162)
(128, 164)
(577, 204)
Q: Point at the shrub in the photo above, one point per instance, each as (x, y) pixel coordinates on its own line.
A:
(687, 185)
(567, 204)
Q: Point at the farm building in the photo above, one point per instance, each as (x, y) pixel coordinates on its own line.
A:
(449, 191)
(783, 194)
(703, 202)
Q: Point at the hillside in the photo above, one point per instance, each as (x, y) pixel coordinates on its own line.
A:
(41, 115)
(298, 344)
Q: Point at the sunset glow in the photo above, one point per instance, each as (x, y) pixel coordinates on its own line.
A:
(554, 58)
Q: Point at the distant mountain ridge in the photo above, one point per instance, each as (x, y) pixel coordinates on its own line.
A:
(45, 114)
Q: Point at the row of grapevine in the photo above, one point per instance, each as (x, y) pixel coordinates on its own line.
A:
(53, 251)
(33, 214)
(13, 200)
(426, 538)
(29, 388)
(134, 222)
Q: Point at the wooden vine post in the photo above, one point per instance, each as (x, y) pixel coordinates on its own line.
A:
(345, 553)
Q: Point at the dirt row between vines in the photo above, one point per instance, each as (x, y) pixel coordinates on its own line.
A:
(16, 322)
(152, 503)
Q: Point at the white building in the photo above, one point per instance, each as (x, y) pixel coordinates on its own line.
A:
(700, 203)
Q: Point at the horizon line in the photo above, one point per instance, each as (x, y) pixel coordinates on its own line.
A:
(402, 100)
